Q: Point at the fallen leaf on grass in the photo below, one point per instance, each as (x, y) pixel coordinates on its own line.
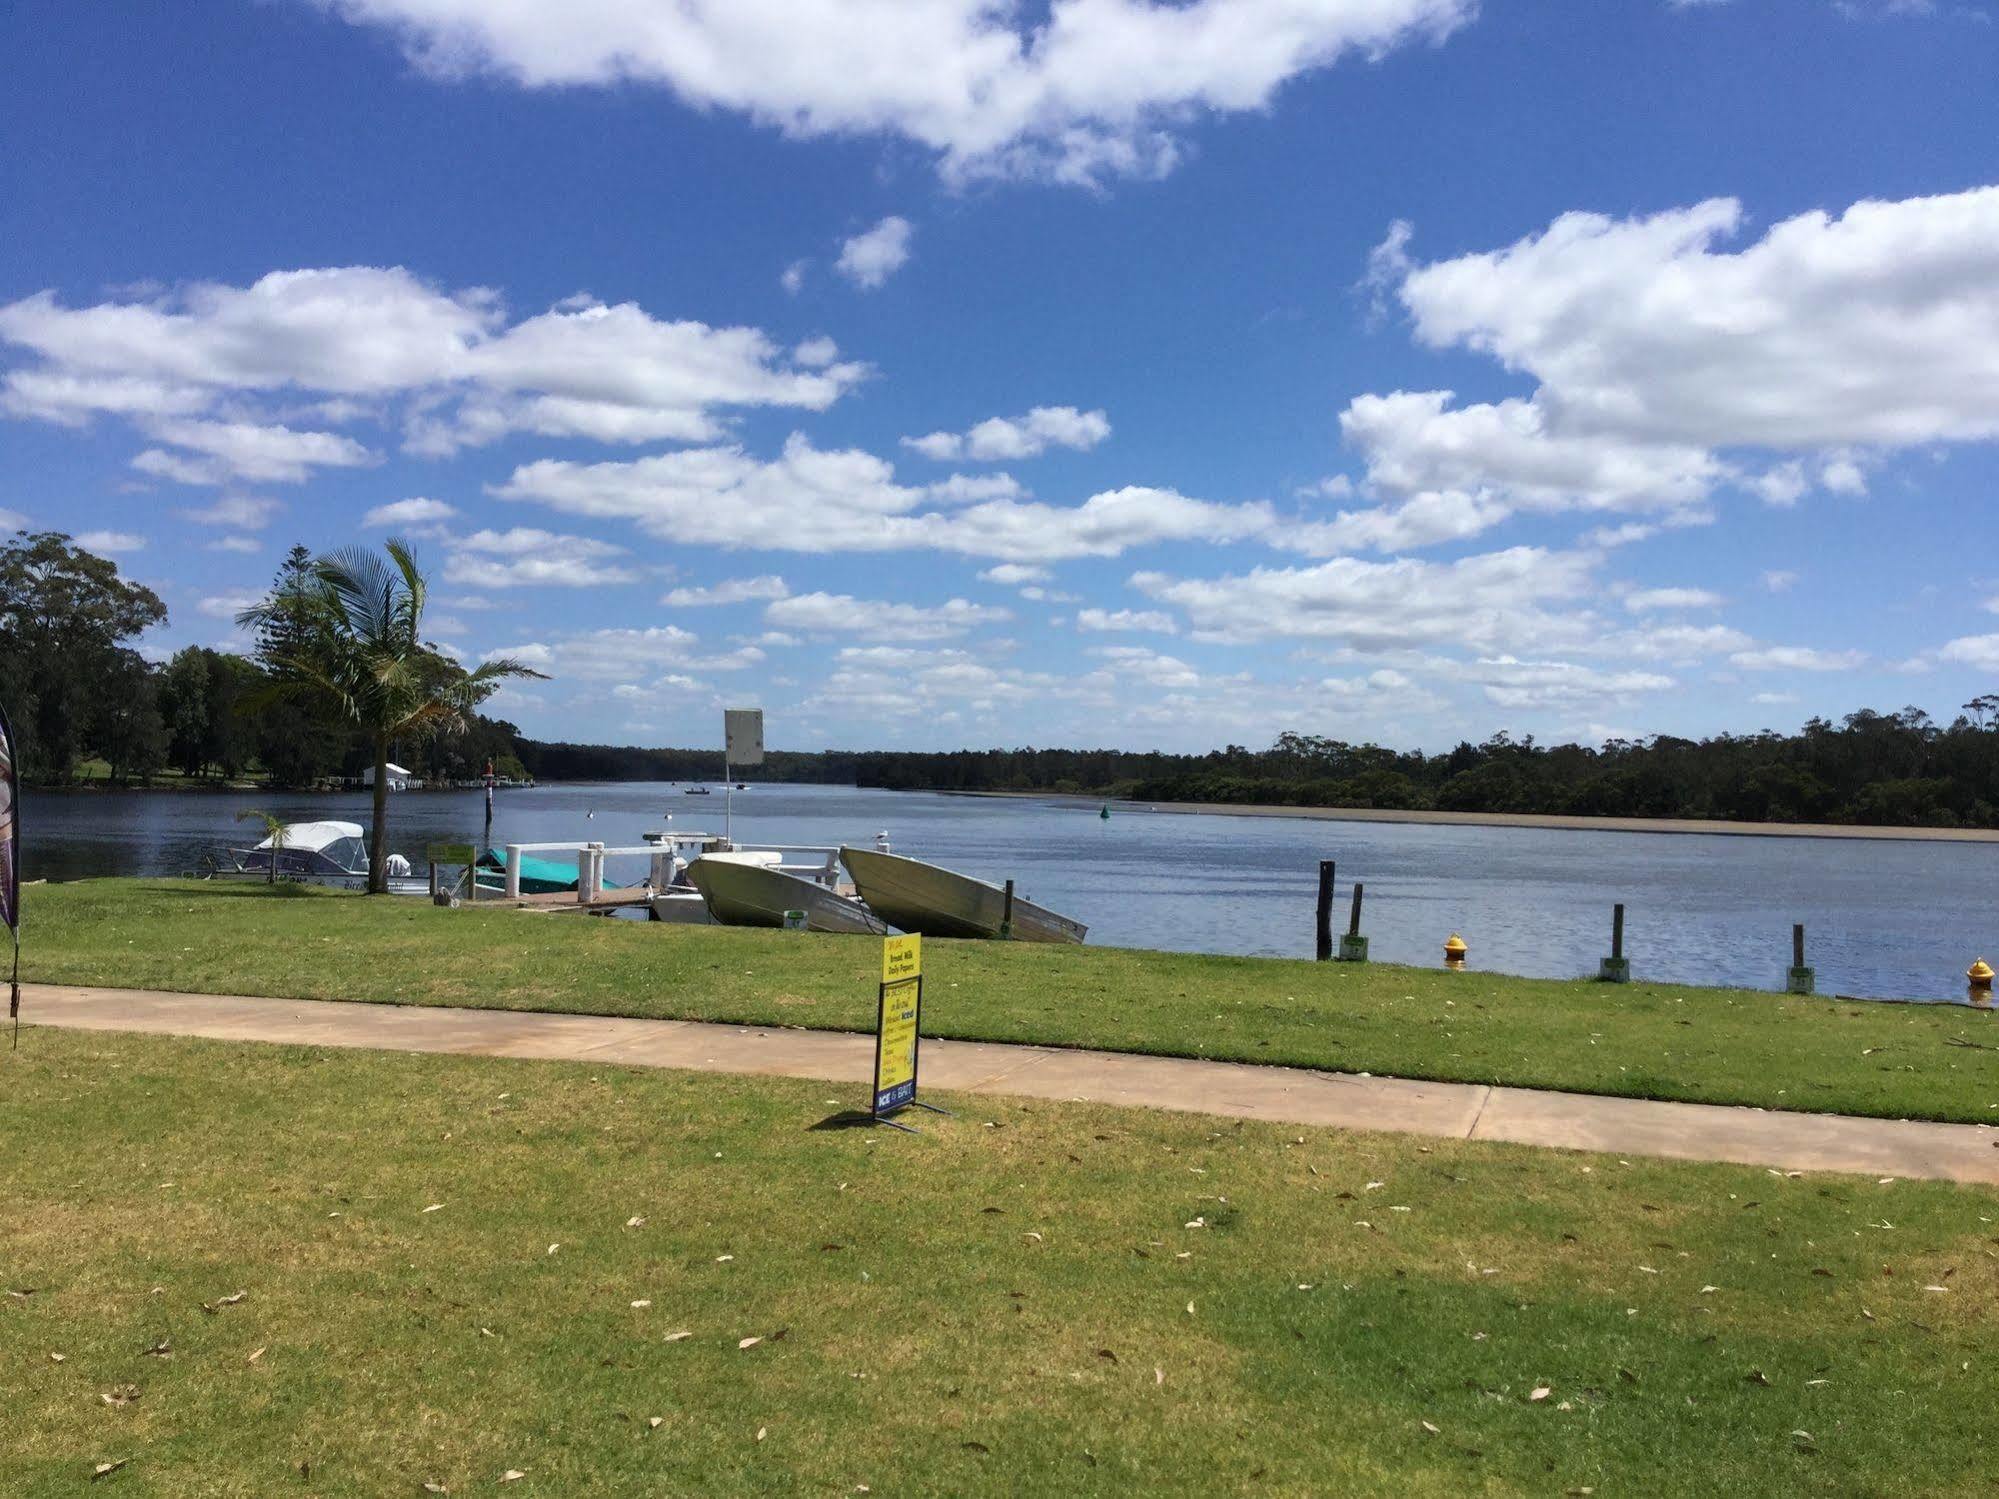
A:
(723, 1259)
(435, 1488)
(640, 1305)
(1434, 1431)
(57, 1358)
(103, 1470)
(1539, 1392)
(435, 1207)
(675, 1337)
(1757, 1376)
(635, 1222)
(1159, 1376)
(762, 1431)
(553, 1247)
(975, 1447)
(748, 1343)
(161, 1349)
(254, 1357)
(123, 1394)
(512, 1475)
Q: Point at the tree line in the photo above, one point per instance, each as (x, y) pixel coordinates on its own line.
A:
(86, 705)
(83, 698)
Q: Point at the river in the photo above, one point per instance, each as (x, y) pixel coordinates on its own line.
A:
(1885, 919)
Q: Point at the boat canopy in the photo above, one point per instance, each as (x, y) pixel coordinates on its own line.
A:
(315, 836)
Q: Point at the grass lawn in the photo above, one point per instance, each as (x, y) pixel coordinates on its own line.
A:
(1641, 1040)
(337, 1273)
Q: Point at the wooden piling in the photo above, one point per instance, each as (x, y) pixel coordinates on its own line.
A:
(1006, 914)
(1353, 921)
(1323, 929)
(1798, 945)
(1617, 930)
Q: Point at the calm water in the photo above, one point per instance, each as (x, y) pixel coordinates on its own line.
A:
(1886, 920)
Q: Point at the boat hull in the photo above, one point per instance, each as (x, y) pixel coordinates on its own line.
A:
(744, 894)
(939, 902)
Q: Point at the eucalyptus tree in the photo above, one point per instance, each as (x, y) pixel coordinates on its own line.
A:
(354, 641)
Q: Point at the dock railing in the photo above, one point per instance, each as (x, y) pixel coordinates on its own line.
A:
(590, 861)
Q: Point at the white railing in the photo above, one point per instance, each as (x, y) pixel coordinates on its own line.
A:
(590, 861)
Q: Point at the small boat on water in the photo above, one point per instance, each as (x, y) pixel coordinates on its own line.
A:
(317, 853)
(940, 902)
(697, 791)
(755, 888)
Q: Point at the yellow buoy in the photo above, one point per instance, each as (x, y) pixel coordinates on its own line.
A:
(1980, 974)
(1454, 951)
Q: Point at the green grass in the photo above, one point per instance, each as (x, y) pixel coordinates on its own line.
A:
(1641, 1040)
(997, 1306)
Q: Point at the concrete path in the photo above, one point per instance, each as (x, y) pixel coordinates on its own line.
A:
(1464, 1111)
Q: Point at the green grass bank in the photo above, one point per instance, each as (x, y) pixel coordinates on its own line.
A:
(1641, 1040)
(248, 1270)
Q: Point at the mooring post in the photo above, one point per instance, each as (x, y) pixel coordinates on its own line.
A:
(1006, 914)
(1616, 968)
(1800, 980)
(1353, 946)
(513, 871)
(1322, 948)
(433, 878)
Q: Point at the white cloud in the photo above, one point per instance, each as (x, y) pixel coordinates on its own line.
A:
(815, 353)
(1100, 621)
(111, 543)
(1001, 438)
(1980, 652)
(185, 366)
(626, 655)
(524, 556)
(1779, 580)
(1080, 91)
(1493, 602)
(1797, 658)
(229, 605)
(869, 259)
(12, 520)
(240, 544)
(1772, 699)
(729, 591)
(850, 618)
(816, 500)
(1879, 327)
(224, 452)
(416, 511)
(792, 277)
(1640, 600)
(1013, 574)
(238, 512)
(1669, 363)
(1525, 686)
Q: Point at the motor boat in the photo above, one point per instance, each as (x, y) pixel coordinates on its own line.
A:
(756, 888)
(318, 853)
(697, 791)
(940, 902)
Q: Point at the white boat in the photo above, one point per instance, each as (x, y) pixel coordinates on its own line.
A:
(940, 902)
(755, 888)
(318, 853)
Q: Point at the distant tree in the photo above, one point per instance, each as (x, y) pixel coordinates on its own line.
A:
(183, 696)
(362, 653)
(64, 613)
(297, 738)
(125, 723)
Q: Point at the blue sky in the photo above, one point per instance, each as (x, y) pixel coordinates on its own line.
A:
(1099, 372)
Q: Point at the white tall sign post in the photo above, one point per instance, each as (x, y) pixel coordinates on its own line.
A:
(742, 744)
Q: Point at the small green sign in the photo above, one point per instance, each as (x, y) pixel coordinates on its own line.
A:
(450, 853)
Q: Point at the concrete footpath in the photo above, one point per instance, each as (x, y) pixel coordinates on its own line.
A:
(1463, 1111)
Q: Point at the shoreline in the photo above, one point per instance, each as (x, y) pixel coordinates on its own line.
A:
(1553, 821)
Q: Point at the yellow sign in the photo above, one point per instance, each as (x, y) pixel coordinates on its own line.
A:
(895, 1037)
(902, 958)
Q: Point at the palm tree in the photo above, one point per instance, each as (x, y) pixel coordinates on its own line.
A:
(365, 655)
(274, 830)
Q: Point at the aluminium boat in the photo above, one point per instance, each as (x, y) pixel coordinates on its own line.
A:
(939, 902)
(755, 889)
